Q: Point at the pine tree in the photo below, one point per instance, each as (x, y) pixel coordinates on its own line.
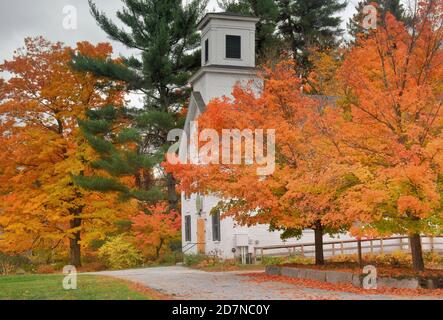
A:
(305, 24)
(395, 7)
(165, 33)
(129, 170)
(267, 10)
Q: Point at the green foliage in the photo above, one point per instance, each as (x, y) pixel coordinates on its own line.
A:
(270, 260)
(118, 253)
(11, 264)
(117, 155)
(191, 260)
(268, 43)
(170, 258)
(165, 33)
(306, 24)
(100, 184)
(109, 69)
(291, 233)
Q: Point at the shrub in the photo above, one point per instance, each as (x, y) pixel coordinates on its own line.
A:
(199, 259)
(118, 253)
(93, 267)
(11, 264)
(267, 261)
(284, 260)
(170, 258)
(433, 259)
(393, 259)
(45, 269)
(343, 258)
(400, 259)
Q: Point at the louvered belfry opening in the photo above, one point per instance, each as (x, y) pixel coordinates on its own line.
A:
(233, 47)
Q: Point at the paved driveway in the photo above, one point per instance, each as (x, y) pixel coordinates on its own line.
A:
(185, 283)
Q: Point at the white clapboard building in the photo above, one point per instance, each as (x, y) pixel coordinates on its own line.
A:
(228, 58)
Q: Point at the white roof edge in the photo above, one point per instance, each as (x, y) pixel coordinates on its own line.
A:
(225, 16)
(230, 70)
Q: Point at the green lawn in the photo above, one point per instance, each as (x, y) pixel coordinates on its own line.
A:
(50, 287)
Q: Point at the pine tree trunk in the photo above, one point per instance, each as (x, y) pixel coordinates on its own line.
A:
(417, 252)
(74, 242)
(318, 232)
(172, 193)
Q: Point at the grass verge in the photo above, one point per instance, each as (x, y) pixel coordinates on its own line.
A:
(50, 287)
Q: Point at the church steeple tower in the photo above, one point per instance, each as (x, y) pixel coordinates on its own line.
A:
(228, 54)
(228, 39)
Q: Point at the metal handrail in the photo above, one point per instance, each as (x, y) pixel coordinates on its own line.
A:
(192, 245)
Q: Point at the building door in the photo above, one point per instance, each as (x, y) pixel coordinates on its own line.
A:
(201, 236)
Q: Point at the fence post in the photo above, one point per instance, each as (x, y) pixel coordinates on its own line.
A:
(333, 249)
(372, 246)
(262, 255)
(382, 249)
(342, 248)
(360, 254)
(302, 249)
(431, 241)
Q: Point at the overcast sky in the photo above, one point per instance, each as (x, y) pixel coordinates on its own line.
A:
(30, 18)
(24, 18)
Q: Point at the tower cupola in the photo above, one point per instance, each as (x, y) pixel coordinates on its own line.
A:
(228, 54)
(228, 39)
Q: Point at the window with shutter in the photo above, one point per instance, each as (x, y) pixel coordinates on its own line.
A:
(216, 234)
(233, 47)
(188, 228)
(207, 50)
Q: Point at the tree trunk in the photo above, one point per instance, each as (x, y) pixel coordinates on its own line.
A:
(74, 243)
(417, 253)
(158, 248)
(318, 231)
(172, 193)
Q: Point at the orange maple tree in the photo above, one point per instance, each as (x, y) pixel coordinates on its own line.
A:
(304, 189)
(156, 227)
(41, 149)
(391, 125)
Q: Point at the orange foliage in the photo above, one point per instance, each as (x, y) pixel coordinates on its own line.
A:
(261, 277)
(156, 227)
(392, 125)
(41, 148)
(301, 192)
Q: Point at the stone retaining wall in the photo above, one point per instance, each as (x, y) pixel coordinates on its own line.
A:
(354, 279)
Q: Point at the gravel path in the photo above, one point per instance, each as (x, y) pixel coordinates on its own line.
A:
(188, 284)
